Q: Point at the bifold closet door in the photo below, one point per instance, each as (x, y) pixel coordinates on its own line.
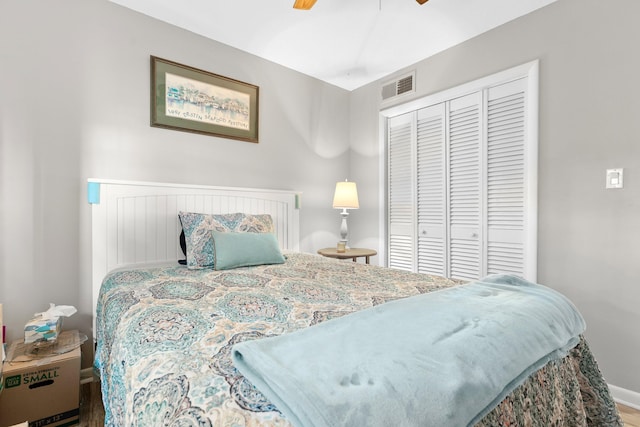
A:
(465, 204)
(401, 191)
(507, 172)
(460, 193)
(432, 191)
(449, 188)
(434, 187)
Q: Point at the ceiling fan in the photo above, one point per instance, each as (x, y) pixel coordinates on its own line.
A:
(308, 4)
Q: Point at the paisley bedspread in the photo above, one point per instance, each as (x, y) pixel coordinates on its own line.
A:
(165, 334)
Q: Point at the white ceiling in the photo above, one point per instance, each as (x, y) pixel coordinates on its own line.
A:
(347, 43)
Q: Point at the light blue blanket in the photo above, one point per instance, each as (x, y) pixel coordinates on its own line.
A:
(444, 358)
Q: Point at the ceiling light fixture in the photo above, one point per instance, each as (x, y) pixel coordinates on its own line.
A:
(304, 4)
(308, 4)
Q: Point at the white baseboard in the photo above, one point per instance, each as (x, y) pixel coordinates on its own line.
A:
(625, 397)
(87, 376)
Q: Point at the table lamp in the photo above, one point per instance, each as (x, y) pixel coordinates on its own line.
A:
(345, 197)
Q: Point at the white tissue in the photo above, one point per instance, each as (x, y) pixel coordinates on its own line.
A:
(56, 311)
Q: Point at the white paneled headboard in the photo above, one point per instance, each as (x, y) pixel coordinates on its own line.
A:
(137, 222)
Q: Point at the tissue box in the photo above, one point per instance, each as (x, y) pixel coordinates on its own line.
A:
(43, 330)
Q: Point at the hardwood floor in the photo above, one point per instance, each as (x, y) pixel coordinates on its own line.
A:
(91, 409)
(630, 416)
(92, 412)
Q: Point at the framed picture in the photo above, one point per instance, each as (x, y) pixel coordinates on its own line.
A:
(191, 100)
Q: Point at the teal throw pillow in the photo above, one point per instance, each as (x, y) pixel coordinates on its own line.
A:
(233, 250)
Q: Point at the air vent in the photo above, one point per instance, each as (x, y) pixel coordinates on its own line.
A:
(400, 86)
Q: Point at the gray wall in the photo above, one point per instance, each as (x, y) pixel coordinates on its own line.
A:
(74, 104)
(589, 237)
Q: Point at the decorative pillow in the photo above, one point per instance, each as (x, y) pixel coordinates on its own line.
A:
(197, 229)
(233, 250)
(262, 223)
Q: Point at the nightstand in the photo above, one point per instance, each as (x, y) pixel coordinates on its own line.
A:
(353, 253)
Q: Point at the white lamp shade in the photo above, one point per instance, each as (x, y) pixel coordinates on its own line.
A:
(346, 196)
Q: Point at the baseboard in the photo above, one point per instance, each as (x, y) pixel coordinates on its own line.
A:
(87, 375)
(625, 397)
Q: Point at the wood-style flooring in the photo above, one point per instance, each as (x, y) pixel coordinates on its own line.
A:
(92, 411)
(630, 416)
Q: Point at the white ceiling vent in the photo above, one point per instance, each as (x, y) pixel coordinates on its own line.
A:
(400, 86)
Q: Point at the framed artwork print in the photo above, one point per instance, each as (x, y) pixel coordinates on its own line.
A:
(191, 100)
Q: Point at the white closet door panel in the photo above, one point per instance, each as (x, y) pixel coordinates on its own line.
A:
(431, 190)
(401, 252)
(464, 186)
(462, 180)
(464, 233)
(465, 259)
(496, 234)
(401, 185)
(506, 173)
(505, 258)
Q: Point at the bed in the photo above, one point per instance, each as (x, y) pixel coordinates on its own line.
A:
(166, 332)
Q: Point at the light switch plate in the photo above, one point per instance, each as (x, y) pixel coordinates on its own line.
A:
(614, 178)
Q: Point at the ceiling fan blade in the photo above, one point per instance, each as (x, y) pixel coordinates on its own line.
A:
(422, 1)
(304, 4)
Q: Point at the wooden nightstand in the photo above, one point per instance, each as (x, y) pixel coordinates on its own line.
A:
(353, 253)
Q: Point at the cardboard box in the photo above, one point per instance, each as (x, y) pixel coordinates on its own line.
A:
(44, 391)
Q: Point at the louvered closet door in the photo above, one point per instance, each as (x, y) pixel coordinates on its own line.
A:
(506, 174)
(462, 182)
(401, 147)
(465, 187)
(431, 191)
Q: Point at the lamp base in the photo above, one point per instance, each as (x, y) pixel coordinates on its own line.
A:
(343, 227)
(342, 246)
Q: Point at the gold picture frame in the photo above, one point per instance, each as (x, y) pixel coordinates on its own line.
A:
(191, 100)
